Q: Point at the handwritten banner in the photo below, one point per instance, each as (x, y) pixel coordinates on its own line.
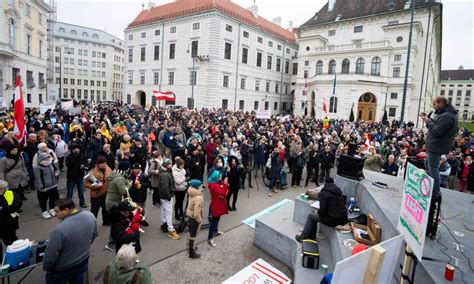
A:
(414, 211)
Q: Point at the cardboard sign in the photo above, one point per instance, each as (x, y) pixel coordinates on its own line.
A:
(44, 107)
(416, 200)
(67, 105)
(259, 272)
(264, 114)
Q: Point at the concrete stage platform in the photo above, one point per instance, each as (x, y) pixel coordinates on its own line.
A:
(274, 233)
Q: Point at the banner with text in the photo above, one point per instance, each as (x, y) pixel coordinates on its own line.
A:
(259, 272)
(415, 208)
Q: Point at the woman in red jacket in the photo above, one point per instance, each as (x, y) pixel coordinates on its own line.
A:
(219, 190)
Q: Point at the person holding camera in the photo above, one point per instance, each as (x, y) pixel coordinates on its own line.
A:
(77, 164)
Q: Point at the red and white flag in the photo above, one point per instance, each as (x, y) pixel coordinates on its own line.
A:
(19, 112)
(164, 96)
(325, 107)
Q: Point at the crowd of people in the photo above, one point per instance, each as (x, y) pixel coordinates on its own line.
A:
(122, 152)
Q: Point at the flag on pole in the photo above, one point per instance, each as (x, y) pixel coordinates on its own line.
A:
(325, 107)
(19, 112)
(334, 85)
(164, 96)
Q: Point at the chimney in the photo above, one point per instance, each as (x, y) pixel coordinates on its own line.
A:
(461, 67)
(151, 5)
(254, 10)
(331, 4)
(277, 21)
(290, 25)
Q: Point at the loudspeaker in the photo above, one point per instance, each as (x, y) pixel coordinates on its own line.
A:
(352, 149)
(351, 167)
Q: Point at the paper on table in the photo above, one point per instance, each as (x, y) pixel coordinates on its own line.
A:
(315, 204)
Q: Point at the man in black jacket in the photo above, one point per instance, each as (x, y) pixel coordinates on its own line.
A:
(76, 165)
(120, 217)
(332, 211)
(313, 165)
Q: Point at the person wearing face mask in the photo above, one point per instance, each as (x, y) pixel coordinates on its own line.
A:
(13, 170)
(46, 182)
(98, 190)
(167, 188)
(43, 148)
(194, 213)
(76, 163)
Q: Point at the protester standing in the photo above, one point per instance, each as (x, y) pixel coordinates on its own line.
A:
(67, 256)
(98, 188)
(194, 213)
(9, 207)
(76, 163)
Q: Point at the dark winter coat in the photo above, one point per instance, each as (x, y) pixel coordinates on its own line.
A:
(94, 148)
(110, 158)
(441, 130)
(166, 185)
(139, 195)
(332, 210)
(327, 160)
(118, 230)
(193, 167)
(7, 221)
(75, 165)
(259, 155)
(276, 165)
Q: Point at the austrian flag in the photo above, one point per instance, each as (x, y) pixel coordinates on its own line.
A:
(164, 96)
(19, 112)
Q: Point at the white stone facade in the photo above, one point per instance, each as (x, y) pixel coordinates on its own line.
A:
(384, 36)
(459, 92)
(92, 63)
(23, 49)
(217, 85)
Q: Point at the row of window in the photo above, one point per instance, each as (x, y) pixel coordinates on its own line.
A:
(71, 93)
(28, 98)
(83, 52)
(30, 80)
(28, 13)
(360, 66)
(74, 32)
(467, 98)
(459, 85)
(81, 72)
(12, 29)
(73, 81)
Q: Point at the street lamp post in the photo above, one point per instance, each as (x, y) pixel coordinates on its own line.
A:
(195, 57)
(61, 70)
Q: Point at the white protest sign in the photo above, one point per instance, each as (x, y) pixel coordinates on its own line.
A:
(44, 107)
(264, 114)
(259, 272)
(67, 105)
(53, 91)
(416, 201)
(74, 110)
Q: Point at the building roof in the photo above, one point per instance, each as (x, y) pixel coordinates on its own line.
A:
(82, 33)
(350, 9)
(457, 75)
(183, 8)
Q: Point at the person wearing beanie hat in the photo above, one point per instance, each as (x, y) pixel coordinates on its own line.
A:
(9, 206)
(154, 171)
(13, 170)
(77, 164)
(43, 148)
(139, 189)
(46, 183)
(98, 188)
(444, 171)
(332, 211)
(194, 213)
(167, 188)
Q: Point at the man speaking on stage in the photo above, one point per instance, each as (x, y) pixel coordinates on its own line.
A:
(439, 140)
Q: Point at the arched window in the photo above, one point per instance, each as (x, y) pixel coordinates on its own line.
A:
(333, 104)
(345, 66)
(360, 66)
(375, 69)
(73, 32)
(332, 67)
(319, 67)
(85, 34)
(11, 33)
(95, 36)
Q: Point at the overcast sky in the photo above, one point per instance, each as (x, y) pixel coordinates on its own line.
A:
(114, 15)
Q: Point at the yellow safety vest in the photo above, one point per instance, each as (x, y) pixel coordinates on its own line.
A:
(9, 196)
